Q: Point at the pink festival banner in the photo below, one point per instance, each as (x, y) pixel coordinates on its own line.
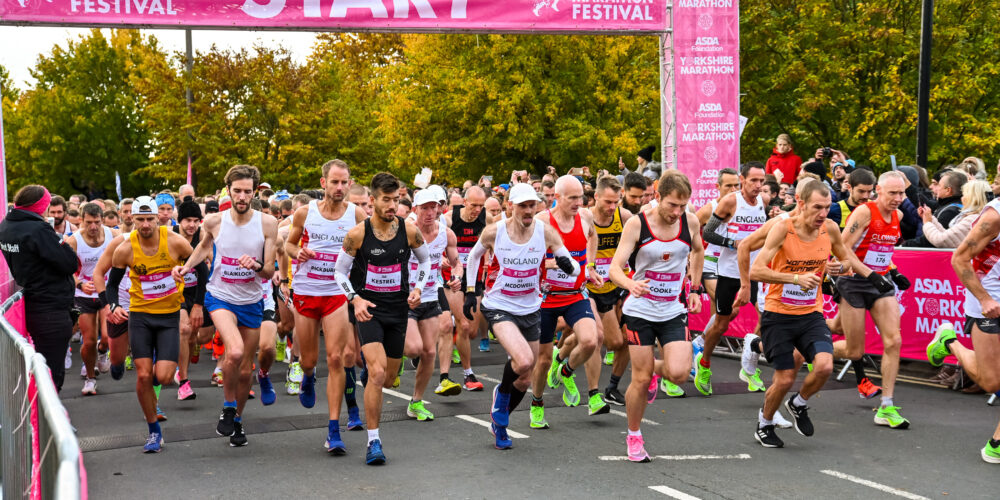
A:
(706, 79)
(625, 16)
(936, 295)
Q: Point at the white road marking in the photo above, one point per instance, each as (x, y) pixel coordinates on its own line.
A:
(486, 424)
(873, 484)
(644, 420)
(398, 394)
(741, 456)
(670, 492)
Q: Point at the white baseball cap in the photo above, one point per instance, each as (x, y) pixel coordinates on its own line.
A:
(424, 196)
(521, 193)
(438, 191)
(144, 205)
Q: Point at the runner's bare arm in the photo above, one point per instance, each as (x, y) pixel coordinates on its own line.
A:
(856, 225)
(345, 259)
(704, 213)
(270, 226)
(697, 257)
(182, 250)
(751, 243)
(759, 270)
(422, 254)
(204, 249)
(592, 240)
(104, 262)
(983, 232)
(291, 246)
(564, 259)
(840, 251)
(451, 256)
(626, 245)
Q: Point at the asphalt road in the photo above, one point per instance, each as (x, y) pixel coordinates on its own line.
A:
(703, 447)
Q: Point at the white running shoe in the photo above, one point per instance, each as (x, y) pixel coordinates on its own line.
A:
(780, 421)
(69, 358)
(90, 387)
(104, 362)
(749, 358)
(83, 370)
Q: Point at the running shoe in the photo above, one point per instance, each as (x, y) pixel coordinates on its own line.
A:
(196, 355)
(354, 419)
(292, 388)
(448, 388)
(288, 355)
(83, 371)
(472, 384)
(780, 421)
(498, 412)
(251, 395)
(652, 388)
(800, 416)
(239, 437)
(990, 453)
(417, 410)
(703, 377)
(868, 390)
(68, 363)
(597, 405)
(77, 337)
(571, 395)
(889, 416)
(754, 383)
(177, 376)
(671, 389)
(154, 443)
(90, 387)
(609, 358)
(484, 345)
(375, 455)
(103, 362)
(334, 445)
(279, 351)
(217, 377)
(118, 371)
(455, 356)
(503, 441)
(402, 363)
(491, 336)
(767, 437)
(697, 346)
(307, 396)
(267, 394)
(614, 396)
(160, 416)
(395, 383)
(538, 417)
(414, 362)
(554, 378)
(936, 350)
(185, 392)
(748, 358)
(128, 363)
(636, 448)
(295, 372)
(226, 425)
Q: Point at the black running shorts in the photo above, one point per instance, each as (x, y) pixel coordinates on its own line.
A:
(159, 333)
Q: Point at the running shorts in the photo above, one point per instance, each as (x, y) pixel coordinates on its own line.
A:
(642, 332)
(389, 330)
(859, 293)
(572, 313)
(986, 325)
(725, 294)
(317, 307)
(247, 316)
(158, 334)
(529, 324)
(782, 334)
(426, 310)
(87, 305)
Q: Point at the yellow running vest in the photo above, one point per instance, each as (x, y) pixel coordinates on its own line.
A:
(153, 289)
(607, 242)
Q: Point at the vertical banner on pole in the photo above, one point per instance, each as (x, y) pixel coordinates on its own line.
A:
(4, 273)
(706, 79)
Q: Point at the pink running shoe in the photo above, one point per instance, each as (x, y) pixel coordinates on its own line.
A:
(654, 386)
(637, 449)
(185, 392)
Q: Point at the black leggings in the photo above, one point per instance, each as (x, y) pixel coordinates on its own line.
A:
(50, 330)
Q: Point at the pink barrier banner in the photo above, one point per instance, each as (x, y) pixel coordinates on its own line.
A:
(706, 48)
(936, 295)
(351, 15)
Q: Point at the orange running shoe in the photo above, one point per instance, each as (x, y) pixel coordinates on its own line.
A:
(868, 390)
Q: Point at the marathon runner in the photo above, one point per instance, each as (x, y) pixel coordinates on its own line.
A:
(57, 211)
(872, 232)
(564, 298)
(373, 270)
(424, 326)
(267, 340)
(192, 313)
(656, 244)
(125, 214)
(315, 237)
(975, 262)
(794, 259)
(512, 304)
(155, 301)
(287, 350)
(741, 212)
(728, 182)
(242, 243)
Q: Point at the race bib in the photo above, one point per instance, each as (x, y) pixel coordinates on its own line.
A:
(463, 255)
(603, 267)
(878, 257)
(190, 279)
(793, 295)
(384, 279)
(155, 286)
(232, 272)
(321, 266)
(663, 287)
(431, 284)
(517, 283)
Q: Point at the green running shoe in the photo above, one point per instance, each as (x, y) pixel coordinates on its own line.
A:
(279, 351)
(991, 454)
(609, 358)
(553, 379)
(754, 383)
(809, 367)
(571, 396)
(417, 410)
(671, 389)
(597, 405)
(538, 417)
(128, 363)
(402, 362)
(489, 334)
(703, 377)
(936, 350)
(889, 416)
(455, 356)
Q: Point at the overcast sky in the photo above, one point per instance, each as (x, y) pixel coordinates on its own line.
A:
(20, 46)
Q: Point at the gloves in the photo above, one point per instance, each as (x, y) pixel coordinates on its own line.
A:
(565, 264)
(901, 281)
(470, 306)
(880, 282)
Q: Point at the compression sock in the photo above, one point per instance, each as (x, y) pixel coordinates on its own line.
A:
(333, 428)
(859, 369)
(613, 382)
(350, 382)
(509, 376)
(515, 399)
(566, 370)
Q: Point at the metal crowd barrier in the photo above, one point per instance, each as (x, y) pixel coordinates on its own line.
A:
(58, 474)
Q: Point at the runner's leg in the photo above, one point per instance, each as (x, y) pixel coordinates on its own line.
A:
(885, 314)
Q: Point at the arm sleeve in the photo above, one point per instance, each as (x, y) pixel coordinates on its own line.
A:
(566, 262)
(710, 235)
(201, 270)
(423, 265)
(475, 258)
(114, 282)
(342, 271)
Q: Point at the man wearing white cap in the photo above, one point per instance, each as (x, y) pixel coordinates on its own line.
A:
(511, 305)
(467, 221)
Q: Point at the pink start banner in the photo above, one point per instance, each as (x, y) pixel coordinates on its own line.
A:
(706, 79)
(622, 16)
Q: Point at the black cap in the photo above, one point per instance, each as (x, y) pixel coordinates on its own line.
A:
(188, 209)
(816, 167)
(211, 207)
(646, 153)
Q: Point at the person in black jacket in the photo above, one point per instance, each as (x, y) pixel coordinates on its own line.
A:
(949, 199)
(43, 265)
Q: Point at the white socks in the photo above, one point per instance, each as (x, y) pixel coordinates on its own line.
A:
(372, 435)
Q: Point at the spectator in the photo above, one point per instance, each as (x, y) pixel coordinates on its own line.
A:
(975, 167)
(973, 201)
(818, 170)
(647, 166)
(949, 201)
(43, 265)
(783, 159)
(861, 182)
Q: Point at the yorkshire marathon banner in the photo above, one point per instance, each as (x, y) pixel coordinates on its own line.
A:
(623, 16)
(706, 47)
(935, 296)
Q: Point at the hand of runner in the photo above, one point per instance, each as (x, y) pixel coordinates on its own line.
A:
(809, 281)
(305, 254)
(285, 294)
(248, 262)
(414, 299)
(594, 278)
(119, 316)
(197, 316)
(694, 303)
(361, 309)
(836, 268)
(178, 273)
(638, 288)
(87, 287)
(469, 306)
(991, 308)
(455, 284)
(551, 264)
(742, 297)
